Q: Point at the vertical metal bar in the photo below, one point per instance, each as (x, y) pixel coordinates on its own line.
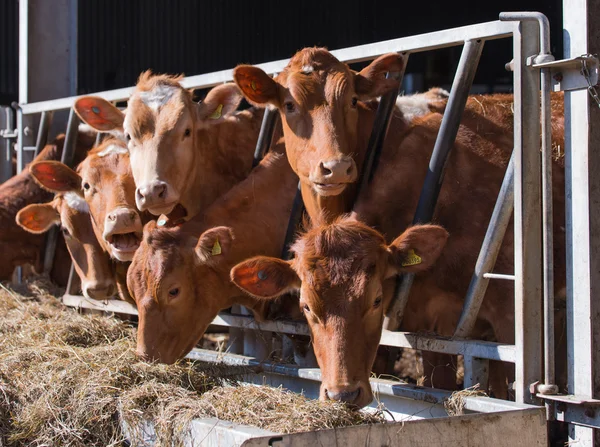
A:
(72, 281)
(265, 135)
(527, 213)
(582, 164)
(488, 252)
(99, 137)
(476, 372)
(295, 217)
(236, 335)
(42, 136)
(20, 140)
(6, 163)
(66, 158)
(463, 79)
(380, 128)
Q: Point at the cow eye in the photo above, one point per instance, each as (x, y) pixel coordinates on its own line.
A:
(86, 186)
(187, 133)
(173, 293)
(64, 231)
(354, 101)
(127, 137)
(377, 302)
(306, 308)
(289, 107)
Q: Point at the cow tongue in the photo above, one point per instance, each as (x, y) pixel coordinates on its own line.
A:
(125, 241)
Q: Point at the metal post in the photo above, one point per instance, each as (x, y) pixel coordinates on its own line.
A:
(463, 79)
(42, 137)
(265, 135)
(527, 213)
(488, 253)
(582, 164)
(476, 372)
(6, 171)
(293, 222)
(68, 154)
(380, 128)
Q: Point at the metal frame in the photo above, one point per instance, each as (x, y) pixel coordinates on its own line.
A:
(530, 68)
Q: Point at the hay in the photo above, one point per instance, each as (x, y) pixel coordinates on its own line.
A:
(68, 379)
(455, 404)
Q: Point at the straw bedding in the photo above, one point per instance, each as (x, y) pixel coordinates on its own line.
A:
(70, 380)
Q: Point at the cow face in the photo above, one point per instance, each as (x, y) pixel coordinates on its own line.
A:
(179, 283)
(71, 212)
(318, 99)
(105, 181)
(340, 270)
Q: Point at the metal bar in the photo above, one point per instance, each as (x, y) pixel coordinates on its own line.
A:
(20, 140)
(488, 254)
(476, 372)
(380, 128)
(117, 306)
(422, 42)
(6, 162)
(99, 138)
(499, 276)
(71, 281)
(67, 156)
(541, 19)
(293, 222)
(582, 164)
(42, 136)
(463, 79)
(265, 136)
(527, 213)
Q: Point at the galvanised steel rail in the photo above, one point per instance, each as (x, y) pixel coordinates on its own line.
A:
(526, 353)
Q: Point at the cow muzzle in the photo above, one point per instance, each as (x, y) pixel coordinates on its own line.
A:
(331, 176)
(157, 197)
(123, 233)
(98, 290)
(358, 394)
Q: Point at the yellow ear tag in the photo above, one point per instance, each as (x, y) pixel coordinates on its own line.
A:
(217, 113)
(216, 250)
(253, 85)
(411, 259)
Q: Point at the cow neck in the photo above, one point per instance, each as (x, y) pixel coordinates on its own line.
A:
(225, 153)
(257, 210)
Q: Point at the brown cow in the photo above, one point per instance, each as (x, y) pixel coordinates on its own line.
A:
(324, 122)
(179, 276)
(340, 270)
(19, 246)
(71, 212)
(181, 152)
(105, 180)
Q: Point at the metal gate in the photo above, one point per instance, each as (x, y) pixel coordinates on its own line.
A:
(527, 180)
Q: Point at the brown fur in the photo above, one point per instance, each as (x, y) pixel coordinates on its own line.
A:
(20, 247)
(176, 259)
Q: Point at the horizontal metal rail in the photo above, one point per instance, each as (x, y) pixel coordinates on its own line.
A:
(472, 348)
(414, 44)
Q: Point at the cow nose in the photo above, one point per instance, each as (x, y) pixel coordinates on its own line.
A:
(99, 291)
(343, 395)
(338, 170)
(120, 221)
(152, 192)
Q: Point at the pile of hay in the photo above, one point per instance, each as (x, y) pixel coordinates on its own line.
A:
(70, 379)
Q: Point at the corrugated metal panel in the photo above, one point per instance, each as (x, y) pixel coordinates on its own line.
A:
(120, 38)
(9, 50)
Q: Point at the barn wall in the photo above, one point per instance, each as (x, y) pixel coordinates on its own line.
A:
(9, 51)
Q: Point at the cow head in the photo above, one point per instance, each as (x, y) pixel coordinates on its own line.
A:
(179, 282)
(71, 212)
(168, 137)
(340, 270)
(105, 181)
(319, 100)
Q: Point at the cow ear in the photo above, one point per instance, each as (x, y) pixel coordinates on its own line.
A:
(214, 243)
(38, 218)
(220, 102)
(416, 249)
(257, 86)
(99, 114)
(265, 277)
(55, 176)
(371, 81)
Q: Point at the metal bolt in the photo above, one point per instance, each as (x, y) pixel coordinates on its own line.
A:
(558, 77)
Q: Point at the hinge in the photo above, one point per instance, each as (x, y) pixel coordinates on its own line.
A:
(576, 73)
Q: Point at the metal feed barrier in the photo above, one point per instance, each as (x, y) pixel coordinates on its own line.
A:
(526, 190)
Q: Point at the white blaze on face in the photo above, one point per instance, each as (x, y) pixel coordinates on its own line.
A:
(76, 202)
(307, 69)
(113, 149)
(158, 97)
